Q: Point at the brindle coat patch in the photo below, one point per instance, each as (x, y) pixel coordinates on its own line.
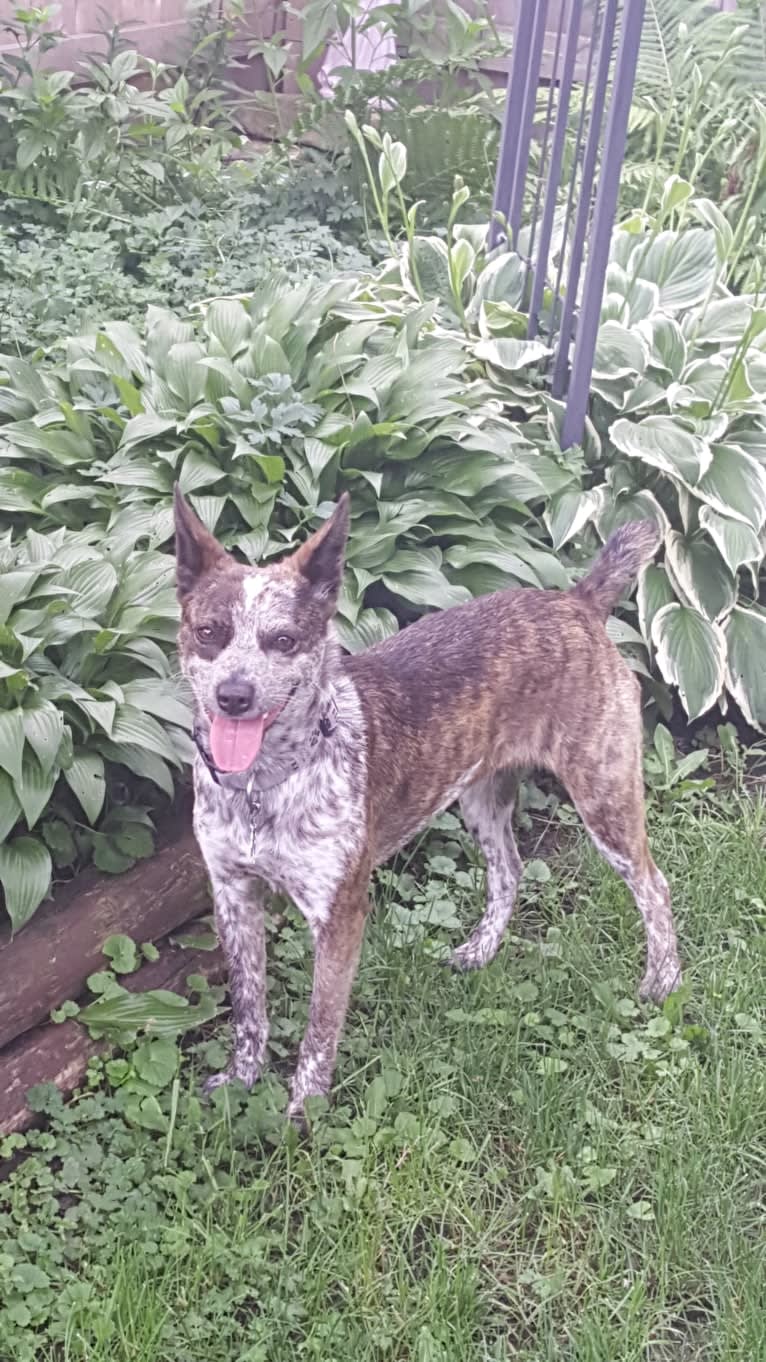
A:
(367, 749)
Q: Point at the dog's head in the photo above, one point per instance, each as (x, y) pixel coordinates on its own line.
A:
(254, 639)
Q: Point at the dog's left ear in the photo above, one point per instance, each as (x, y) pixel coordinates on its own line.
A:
(320, 559)
(197, 552)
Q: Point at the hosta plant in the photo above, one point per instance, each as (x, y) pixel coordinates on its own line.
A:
(679, 433)
(265, 408)
(88, 709)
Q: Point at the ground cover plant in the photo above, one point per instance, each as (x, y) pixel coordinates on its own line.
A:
(517, 1163)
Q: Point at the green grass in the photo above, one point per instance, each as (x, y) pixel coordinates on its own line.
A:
(521, 1163)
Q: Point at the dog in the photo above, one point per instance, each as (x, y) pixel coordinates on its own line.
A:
(314, 767)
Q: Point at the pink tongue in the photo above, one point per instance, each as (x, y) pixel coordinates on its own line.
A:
(235, 743)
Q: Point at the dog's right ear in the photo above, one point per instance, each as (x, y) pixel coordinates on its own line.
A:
(197, 552)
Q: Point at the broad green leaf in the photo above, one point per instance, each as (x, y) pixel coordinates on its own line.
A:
(628, 506)
(682, 264)
(735, 485)
(569, 511)
(371, 626)
(184, 373)
(619, 351)
(431, 262)
(11, 742)
(700, 574)
(92, 585)
(156, 1061)
(227, 320)
(141, 762)
(146, 426)
(691, 654)
(25, 875)
(502, 280)
(157, 699)
(668, 346)
(35, 788)
(85, 778)
(43, 729)
(510, 355)
(735, 540)
(132, 726)
(10, 808)
(745, 632)
(424, 587)
(662, 443)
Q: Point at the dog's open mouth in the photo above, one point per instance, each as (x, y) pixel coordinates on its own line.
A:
(235, 743)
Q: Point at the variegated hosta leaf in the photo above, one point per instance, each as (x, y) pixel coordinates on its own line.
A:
(745, 632)
(691, 654)
(735, 540)
(699, 574)
(662, 443)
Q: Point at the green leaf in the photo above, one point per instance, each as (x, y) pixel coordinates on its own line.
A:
(569, 511)
(157, 698)
(654, 591)
(745, 633)
(25, 874)
(736, 541)
(184, 373)
(683, 265)
(619, 352)
(431, 261)
(10, 808)
(700, 574)
(227, 320)
(427, 586)
(392, 164)
(662, 443)
(121, 951)
(11, 742)
(35, 788)
(132, 726)
(92, 583)
(85, 778)
(735, 485)
(510, 355)
(691, 654)
(156, 1062)
(43, 729)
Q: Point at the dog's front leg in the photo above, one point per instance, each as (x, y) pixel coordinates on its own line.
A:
(338, 945)
(239, 917)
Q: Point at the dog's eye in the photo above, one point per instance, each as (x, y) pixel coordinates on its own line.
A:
(284, 643)
(205, 633)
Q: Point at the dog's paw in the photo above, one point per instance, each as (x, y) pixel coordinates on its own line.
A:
(234, 1074)
(474, 953)
(660, 981)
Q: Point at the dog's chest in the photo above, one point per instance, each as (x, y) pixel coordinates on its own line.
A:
(300, 838)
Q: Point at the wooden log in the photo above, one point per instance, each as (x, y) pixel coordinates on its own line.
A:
(60, 1053)
(50, 960)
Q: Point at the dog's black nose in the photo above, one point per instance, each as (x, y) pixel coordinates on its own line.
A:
(235, 697)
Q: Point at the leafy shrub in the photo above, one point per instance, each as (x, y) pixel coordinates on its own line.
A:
(53, 283)
(86, 696)
(679, 433)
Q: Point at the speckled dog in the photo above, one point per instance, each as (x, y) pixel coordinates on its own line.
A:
(314, 767)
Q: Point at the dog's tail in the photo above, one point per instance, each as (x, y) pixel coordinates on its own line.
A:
(617, 565)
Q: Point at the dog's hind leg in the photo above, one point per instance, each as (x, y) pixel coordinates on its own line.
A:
(487, 808)
(613, 813)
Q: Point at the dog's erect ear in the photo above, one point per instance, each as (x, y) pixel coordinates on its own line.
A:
(197, 551)
(320, 559)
